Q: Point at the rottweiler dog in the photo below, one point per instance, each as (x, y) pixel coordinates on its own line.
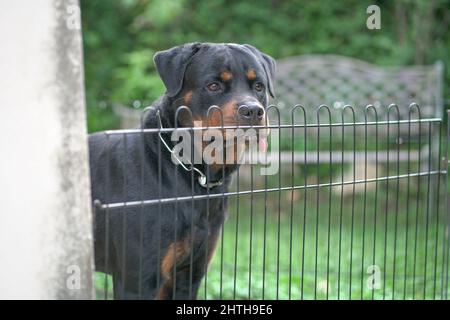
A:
(161, 250)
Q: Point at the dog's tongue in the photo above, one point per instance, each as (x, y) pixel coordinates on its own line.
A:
(262, 144)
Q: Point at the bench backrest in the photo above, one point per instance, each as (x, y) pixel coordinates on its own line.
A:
(312, 80)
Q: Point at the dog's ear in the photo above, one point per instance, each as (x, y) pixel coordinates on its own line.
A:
(268, 64)
(171, 65)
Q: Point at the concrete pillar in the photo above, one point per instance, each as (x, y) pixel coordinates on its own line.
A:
(45, 206)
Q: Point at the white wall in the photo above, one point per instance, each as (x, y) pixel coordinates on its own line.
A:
(45, 217)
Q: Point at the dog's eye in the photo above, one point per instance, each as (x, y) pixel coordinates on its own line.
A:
(259, 86)
(213, 86)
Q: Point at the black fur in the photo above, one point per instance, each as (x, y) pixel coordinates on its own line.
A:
(131, 243)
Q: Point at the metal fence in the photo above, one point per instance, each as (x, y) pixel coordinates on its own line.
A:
(354, 210)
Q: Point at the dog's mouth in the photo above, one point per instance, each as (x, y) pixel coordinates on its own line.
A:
(236, 134)
(231, 131)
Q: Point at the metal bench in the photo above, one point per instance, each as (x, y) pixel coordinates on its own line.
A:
(312, 80)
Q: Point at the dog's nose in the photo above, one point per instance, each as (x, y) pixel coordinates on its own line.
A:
(251, 111)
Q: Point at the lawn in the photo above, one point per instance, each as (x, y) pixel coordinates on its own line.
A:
(279, 252)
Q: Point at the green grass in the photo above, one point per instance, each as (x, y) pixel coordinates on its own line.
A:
(285, 271)
(275, 266)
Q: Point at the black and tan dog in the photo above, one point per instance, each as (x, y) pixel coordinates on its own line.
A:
(161, 251)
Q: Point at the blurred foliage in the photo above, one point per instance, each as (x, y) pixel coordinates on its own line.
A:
(120, 38)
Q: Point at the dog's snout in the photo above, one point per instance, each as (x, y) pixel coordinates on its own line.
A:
(251, 111)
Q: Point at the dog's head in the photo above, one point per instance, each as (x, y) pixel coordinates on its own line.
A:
(236, 78)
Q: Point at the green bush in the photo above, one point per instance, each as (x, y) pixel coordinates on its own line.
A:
(120, 37)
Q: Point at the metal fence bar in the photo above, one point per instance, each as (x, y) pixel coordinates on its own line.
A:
(247, 192)
(278, 121)
(437, 214)
(353, 207)
(281, 126)
(364, 206)
(417, 217)
(396, 207)
(447, 206)
(305, 179)
(407, 206)
(107, 215)
(329, 214)
(341, 207)
(376, 196)
(237, 233)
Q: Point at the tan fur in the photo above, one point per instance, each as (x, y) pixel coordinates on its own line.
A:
(174, 254)
(188, 97)
(226, 75)
(251, 74)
